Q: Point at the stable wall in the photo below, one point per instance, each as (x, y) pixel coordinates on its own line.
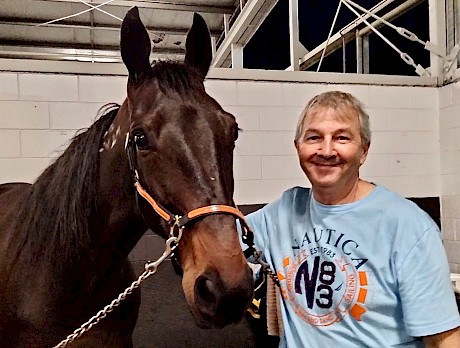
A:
(41, 112)
(449, 132)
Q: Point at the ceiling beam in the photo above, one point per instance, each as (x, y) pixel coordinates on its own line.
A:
(69, 47)
(163, 5)
(84, 25)
(102, 54)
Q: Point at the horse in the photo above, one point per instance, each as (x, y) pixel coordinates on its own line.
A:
(162, 161)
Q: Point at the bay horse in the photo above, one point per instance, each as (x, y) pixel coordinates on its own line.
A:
(162, 160)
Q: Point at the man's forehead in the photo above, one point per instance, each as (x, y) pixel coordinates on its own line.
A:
(345, 115)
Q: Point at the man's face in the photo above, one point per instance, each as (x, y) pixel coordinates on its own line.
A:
(330, 149)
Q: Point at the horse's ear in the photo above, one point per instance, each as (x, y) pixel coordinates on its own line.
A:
(135, 45)
(198, 45)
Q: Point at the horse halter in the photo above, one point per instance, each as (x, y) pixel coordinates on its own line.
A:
(177, 221)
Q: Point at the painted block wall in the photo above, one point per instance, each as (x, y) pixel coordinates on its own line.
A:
(41, 112)
(449, 124)
(404, 154)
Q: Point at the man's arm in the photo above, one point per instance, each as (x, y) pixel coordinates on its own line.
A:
(447, 339)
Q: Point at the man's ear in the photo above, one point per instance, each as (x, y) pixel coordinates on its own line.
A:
(365, 153)
(296, 144)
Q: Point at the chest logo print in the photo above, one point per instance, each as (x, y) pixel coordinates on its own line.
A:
(322, 289)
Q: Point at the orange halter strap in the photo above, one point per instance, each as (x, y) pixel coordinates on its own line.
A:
(194, 214)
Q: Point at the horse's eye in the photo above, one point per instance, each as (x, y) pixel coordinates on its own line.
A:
(141, 140)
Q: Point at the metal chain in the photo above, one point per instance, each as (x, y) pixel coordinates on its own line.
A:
(248, 239)
(265, 266)
(150, 268)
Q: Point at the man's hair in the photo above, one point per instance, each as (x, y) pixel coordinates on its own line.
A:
(338, 101)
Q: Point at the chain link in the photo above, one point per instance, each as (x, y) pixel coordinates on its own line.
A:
(150, 268)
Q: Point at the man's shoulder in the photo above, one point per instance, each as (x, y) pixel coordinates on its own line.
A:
(401, 209)
(296, 196)
(290, 199)
(394, 200)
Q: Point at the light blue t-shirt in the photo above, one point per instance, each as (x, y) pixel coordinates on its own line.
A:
(372, 273)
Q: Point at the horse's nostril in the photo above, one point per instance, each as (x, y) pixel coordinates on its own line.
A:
(219, 302)
(206, 292)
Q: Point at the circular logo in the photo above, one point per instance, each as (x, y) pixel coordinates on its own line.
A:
(321, 289)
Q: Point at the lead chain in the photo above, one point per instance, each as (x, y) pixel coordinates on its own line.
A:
(150, 268)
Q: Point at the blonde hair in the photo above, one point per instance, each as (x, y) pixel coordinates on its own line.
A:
(338, 101)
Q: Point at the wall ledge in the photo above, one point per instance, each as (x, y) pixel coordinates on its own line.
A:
(118, 69)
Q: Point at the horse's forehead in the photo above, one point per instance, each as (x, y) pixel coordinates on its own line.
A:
(173, 107)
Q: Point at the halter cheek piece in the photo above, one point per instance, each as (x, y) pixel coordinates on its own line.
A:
(177, 222)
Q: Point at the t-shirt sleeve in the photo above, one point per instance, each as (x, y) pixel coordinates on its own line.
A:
(427, 296)
(257, 222)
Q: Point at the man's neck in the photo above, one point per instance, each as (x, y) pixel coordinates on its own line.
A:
(353, 193)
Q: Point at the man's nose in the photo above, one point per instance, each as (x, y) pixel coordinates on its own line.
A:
(327, 148)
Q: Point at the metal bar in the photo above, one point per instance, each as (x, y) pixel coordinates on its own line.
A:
(294, 34)
(366, 61)
(237, 56)
(86, 26)
(457, 25)
(46, 48)
(226, 24)
(436, 10)
(91, 34)
(213, 45)
(450, 24)
(164, 5)
(359, 53)
(20, 52)
(393, 14)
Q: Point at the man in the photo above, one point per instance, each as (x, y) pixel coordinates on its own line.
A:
(358, 264)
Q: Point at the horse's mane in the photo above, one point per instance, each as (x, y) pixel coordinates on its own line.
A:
(178, 77)
(53, 219)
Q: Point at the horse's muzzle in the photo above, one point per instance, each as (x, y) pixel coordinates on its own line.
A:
(218, 303)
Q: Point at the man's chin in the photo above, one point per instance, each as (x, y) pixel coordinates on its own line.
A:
(322, 181)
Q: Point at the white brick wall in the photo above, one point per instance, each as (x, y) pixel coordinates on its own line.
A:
(40, 113)
(415, 149)
(449, 125)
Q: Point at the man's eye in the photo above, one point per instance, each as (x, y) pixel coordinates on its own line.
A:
(343, 138)
(312, 138)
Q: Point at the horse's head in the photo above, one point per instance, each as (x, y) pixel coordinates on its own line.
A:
(182, 145)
